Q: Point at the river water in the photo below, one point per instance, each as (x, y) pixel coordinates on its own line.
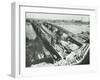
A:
(75, 28)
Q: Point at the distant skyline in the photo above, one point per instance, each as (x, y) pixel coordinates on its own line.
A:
(58, 16)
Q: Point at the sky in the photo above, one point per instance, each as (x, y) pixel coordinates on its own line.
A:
(57, 16)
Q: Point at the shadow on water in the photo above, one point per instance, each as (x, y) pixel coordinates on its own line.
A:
(86, 59)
